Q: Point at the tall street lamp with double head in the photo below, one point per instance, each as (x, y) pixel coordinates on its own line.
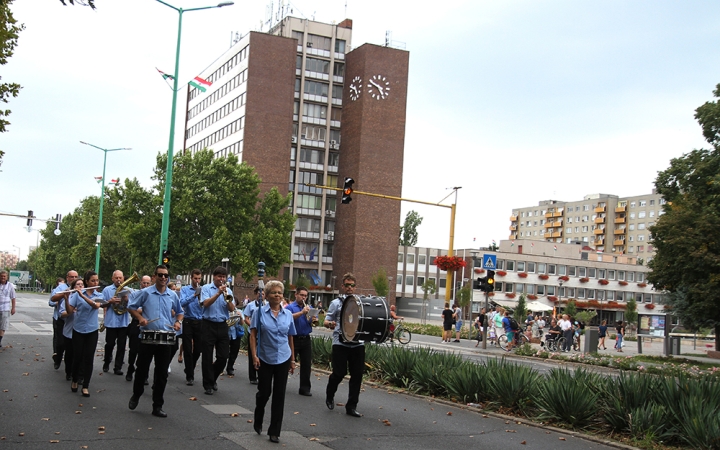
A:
(168, 174)
(102, 202)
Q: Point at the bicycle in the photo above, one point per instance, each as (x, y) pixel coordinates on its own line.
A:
(400, 333)
(520, 340)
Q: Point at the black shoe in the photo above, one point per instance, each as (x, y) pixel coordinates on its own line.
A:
(253, 381)
(231, 372)
(274, 439)
(158, 412)
(74, 389)
(117, 372)
(190, 382)
(330, 403)
(85, 392)
(129, 376)
(132, 404)
(57, 365)
(68, 377)
(208, 391)
(215, 387)
(146, 382)
(258, 428)
(106, 367)
(305, 393)
(353, 412)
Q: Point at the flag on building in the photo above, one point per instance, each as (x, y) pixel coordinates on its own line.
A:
(312, 253)
(98, 179)
(532, 244)
(555, 247)
(512, 243)
(165, 76)
(198, 86)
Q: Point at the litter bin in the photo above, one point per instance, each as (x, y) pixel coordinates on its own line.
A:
(674, 345)
(590, 340)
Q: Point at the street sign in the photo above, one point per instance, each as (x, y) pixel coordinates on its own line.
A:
(19, 276)
(489, 262)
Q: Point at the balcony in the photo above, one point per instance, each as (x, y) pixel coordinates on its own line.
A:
(553, 224)
(620, 209)
(620, 219)
(600, 209)
(620, 242)
(600, 220)
(599, 231)
(513, 218)
(548, 214)
(513, 228)
(619, 231)
(557, 214)
(553, 235)
(597, 242)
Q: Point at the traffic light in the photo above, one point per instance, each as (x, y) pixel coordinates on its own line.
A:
(477, 283)
(166, 258)
(58, 218)
(30, 216)
(490, 280)
(347, 190)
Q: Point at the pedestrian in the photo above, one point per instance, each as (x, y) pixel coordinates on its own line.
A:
(216, 312)
(479, 322)
(116, 324)
(620, 329)
(68, 321)
(602, 332)
(272, 347)
(134, 332)
(61, 292)
(301, 341)
(7, 304)
(85, 304)
(509, 331)
(447, 315)
(457, 315)
(498, 323)
(566, 327)
(192, 325)
(248, 313)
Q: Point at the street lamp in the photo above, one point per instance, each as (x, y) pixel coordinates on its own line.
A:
(168, 174)
(560, 282)
(102, 202)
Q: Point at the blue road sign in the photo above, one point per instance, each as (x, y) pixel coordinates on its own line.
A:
(489, 262)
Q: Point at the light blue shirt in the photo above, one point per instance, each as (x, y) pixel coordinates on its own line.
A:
(272, 334)
(235, 329)
(218, 311)
(333, 315)
(60, 287)
(251, 307)
(156, 305)
(190, 303)
(86, 317)
(69, 320)
(112, 319)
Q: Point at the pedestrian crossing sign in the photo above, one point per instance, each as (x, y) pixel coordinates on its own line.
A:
(489, 262)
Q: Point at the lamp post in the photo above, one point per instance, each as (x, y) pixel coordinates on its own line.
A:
(102, 202)
(560, 293)
(168, 174)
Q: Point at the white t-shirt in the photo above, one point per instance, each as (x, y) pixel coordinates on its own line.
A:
(7, 294)
(565, 324)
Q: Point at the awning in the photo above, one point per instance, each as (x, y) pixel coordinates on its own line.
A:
(538, 306)
(512, 304)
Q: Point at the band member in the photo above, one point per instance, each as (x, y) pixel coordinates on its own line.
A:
(153, 308)
(7, 304)
(69, 321)
(271, 345)
(59, 293)
(301, 341)
(116, 325)
(215, 329)
(235, 334)
(84, 304)
(345, 355)
(192, 325)
(134, 333)
(248, 312)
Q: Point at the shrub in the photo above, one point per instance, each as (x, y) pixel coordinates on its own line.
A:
(468, 382)
(566, 397)
(430, 372)
(511, 386)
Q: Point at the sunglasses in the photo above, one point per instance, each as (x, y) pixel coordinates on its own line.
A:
(162, 275)
(349, 284)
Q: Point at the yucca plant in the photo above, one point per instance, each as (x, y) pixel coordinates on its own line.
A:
(568, 397)
(468, 382)
(321, 351)
(699, 424)
(396, 365)
(621, 396)
(511, 385)
(650, 422)
(431, 370)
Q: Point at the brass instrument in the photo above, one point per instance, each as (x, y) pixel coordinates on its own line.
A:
(229, 297)
(235, 317)
(121, 308)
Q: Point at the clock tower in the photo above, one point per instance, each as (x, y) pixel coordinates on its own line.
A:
(373, 141)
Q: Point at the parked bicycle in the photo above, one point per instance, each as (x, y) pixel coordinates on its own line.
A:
(399, 332)
(520, 340)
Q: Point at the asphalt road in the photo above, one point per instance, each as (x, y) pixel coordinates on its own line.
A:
(38, 408)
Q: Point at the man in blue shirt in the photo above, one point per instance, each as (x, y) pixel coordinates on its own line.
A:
(302, 342)
(345, 355)
(251, 307)
(58, 322)
(157, 304)
(192, 325)
(134, 332)
(116, 325)
(216, 311)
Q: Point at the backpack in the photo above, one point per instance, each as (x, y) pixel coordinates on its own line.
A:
(582, 325)
(513, 323)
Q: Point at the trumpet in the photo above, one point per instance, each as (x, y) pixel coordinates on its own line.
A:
(229, 297)
(72, 291)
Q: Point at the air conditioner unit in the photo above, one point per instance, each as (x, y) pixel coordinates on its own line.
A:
(333, 144)
(329, 212)
(331, 236)
(309, 44)
(293, 139)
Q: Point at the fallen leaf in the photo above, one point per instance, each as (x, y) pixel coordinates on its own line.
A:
(101, 428)
(449, 413)
(434, 421)
(404, 409)
(510, 431)
(249, 421)
(45, 418)
(507, 422)
(380, 407)
(523, 442)
(193, 399)
(84, 446)
(313, 425)
(485, 416)
(26, 374)
(234, 415)
(562, 439)
(101, 432)
(547, 432)
(54, 441)
(57, 432)
(482, 432)
(78, 412)
(314, 439)
(5, 390)
(21, 434)
(296, 412)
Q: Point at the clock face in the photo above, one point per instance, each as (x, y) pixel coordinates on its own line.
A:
(355, 88)
(378, 87)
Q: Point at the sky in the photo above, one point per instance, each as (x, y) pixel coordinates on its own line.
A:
(515, 101)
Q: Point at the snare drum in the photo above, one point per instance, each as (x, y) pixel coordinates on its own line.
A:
(157, 337)
(364, 319)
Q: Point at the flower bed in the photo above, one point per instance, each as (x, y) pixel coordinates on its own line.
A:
(623, 283)
(564, 278)
(552, 298)
(510, 295)
(479, 270)
(532, 297)
(649, 306)
(642, 284)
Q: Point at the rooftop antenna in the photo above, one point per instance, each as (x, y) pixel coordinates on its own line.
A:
(269, 14)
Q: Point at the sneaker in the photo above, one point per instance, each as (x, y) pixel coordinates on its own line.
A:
(169, 369)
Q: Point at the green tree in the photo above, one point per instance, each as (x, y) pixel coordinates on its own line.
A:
(9, 31)
(631, 314)
(429, 288)
(22, 265)
(570, 309)
(90, 3)
(380, 282)
(408, 231)
(463, 299)
(521, 309)
(585, 316)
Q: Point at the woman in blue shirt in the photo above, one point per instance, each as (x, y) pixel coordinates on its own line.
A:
(69, 320)
(273, 354)
(84, 304)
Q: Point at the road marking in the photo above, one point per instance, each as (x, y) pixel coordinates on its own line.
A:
(22, 328)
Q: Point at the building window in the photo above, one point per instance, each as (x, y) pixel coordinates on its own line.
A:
(541, 268)
(582, 272)
(316, 65)
(571, 271)
(640, 277)
(591, 272)
(642, 203)
(601, 274)
(443, 283)
(339, 46)
(519, 288)
(420, 281)
(400, 257)
(540, 289)
(521, 266)
(619, 296)
(551, 269)
(409, 280)
(562, 270)
(609, 295)
(621, 275)
(631, 276)
(641, 214)
(410, 258)
(530, 289)
(399, 280)
(510, 266)
(531, 267)
(421, 259)
(550, 290)
(580, 293)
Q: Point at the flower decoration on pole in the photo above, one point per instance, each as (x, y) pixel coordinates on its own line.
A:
(450, 263)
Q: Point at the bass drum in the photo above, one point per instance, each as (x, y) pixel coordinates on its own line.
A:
(364, 319)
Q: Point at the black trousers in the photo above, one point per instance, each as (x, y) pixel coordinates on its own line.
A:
(344, 358)
(69, 356)
(147, 352)
(134, 344)
(58, 340)
(214, 337)
(303, 350)
(84, 346)
(111, 335)
(252, 371)
(568, 335)
(192, 345)
(234, 349)
(273, 380)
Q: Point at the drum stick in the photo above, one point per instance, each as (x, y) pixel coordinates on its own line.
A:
(154, 320)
